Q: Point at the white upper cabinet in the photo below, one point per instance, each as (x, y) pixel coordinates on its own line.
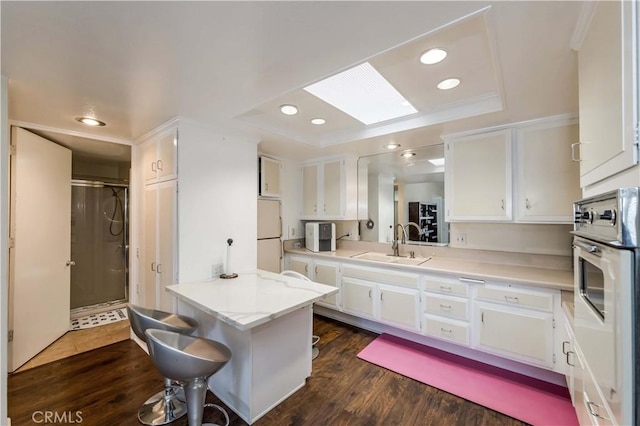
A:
(478, 177)
(608, 99)
(160, 157)
(269, 179)
(547, 179)
(329, 189)
(522, 172)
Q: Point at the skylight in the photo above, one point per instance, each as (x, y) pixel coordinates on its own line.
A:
(364, 94)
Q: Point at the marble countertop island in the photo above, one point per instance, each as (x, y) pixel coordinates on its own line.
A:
(252, 298)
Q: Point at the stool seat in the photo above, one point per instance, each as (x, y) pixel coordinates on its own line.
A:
(181, 357)
(144, 318)
(191, 360)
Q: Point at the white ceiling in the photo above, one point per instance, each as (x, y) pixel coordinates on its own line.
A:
(138, 64)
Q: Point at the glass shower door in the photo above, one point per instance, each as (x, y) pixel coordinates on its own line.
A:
(99, 240)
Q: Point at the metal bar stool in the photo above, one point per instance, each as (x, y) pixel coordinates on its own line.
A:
(163, 407)
(314, 339)
(190, 360)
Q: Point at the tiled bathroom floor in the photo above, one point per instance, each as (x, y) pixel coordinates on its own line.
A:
(78, 341)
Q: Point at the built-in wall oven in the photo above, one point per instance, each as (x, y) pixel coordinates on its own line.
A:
(606, 256)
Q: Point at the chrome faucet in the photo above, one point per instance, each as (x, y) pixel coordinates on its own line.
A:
(415, 225)
(404, 233)
(394, 244)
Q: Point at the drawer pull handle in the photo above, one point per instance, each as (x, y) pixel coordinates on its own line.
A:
(369, 293)
(446, 330)
(595, 412)
(511, 299)
(568, 361)
(445, 307)
(445, 288)
(471, 280)
(564, 350)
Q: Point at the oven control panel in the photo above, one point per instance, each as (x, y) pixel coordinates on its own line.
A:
(611, 218)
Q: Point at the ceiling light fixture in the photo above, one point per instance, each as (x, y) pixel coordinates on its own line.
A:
(363, 93)
(392, 145)
(318, 121)
(407, 154)
(289, 109)
(90, 121)
(437, 161)
(433, 56)
(449, 83)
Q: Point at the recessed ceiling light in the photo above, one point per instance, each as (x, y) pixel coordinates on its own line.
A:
(90, 121)
(392, 145)
(289, 109)
(449, 83)
(437, 161)
(433, 56)
(363, 93)
(407, 154)
(318, 121)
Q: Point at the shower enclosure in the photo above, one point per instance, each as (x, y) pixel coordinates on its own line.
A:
(99, 244)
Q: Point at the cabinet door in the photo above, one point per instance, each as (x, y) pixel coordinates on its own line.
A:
(357, 297)
(167, 202)
(327, 273)
(517, 333)
(149, 255)
(301, 266)
(332, 188)
(478, 177)
(607, 95)
(149, 159)
(310, 190)
(399, 307)
(167, 155)
(269, 177)
(548, 180)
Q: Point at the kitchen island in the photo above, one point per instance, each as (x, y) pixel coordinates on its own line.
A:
(266, 320)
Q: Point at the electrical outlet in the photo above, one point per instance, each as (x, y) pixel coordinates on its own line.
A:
(461, 239)
(216, 270)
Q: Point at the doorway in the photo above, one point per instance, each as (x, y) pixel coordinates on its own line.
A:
(99, 245)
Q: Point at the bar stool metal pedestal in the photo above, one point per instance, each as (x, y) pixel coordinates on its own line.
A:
(191, 360)
(165, 406)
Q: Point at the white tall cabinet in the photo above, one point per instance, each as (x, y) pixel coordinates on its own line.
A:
(158, 259)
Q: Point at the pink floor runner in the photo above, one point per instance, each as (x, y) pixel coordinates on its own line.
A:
(530, 400)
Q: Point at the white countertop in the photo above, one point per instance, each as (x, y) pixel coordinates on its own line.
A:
(534, 276)
(252, 298)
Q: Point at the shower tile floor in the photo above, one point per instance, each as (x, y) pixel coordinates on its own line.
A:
(78, 341)
(98, 319)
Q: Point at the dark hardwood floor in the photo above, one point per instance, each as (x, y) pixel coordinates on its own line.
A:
(106, 387)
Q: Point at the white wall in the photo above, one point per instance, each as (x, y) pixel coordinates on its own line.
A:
(385, 207)
(217, 199)
(4, 235)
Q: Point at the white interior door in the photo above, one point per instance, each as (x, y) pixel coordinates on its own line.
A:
(39, 281)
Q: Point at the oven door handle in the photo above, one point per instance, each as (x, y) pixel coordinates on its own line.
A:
(590, 248)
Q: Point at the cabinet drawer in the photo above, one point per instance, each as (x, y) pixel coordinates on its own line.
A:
(446, 306)
(518, 297)
(381, 276)
(446, 286)
(449, 330)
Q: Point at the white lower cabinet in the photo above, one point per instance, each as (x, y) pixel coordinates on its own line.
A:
(445, 306)
(324, 272)
(399, 306)
(516, 322)
(448, 329)
(396, 301)
(358, 297)
(327, 273)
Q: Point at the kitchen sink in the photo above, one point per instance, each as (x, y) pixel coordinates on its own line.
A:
(381, 257)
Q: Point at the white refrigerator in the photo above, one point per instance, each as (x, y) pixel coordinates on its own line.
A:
(269, 233)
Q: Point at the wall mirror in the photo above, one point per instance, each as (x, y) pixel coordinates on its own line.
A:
(401, 187)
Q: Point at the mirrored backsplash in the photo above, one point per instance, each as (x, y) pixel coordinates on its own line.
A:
(406, 188)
